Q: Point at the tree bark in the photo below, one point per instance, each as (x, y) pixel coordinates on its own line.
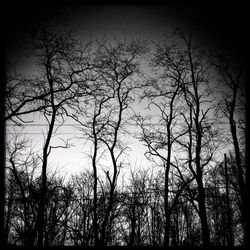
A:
(41, 211)
(241, 182)
(95, 223)
(199, 173)
(230, 236)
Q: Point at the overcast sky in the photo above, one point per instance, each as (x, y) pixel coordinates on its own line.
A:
(222, 25)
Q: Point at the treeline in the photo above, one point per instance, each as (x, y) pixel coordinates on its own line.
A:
(195, 196)
(137, 216)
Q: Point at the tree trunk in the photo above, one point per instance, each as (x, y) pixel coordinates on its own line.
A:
(203, 215)
(230, 236)
(95, 224)
(199, 173)
(133, 225)
(109, 210)
(240, 173)
(41, 211)
(166, 208)
(201, 190)
(169, 148)
(46, 151)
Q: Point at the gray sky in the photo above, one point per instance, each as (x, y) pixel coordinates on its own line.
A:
(149, 22)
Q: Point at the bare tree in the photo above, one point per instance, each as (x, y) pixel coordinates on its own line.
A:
(185, 201)
(189, 70)
(22, 167)
(161, 132)
(113, 69)
(80, 225)
(118, 64)
(47, 91)
(202, 144)
(233, 107)
(60, 198)
(136, 200)
(21, 96)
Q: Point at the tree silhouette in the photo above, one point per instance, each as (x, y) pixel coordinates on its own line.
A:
(192, 189)
(233, 78)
